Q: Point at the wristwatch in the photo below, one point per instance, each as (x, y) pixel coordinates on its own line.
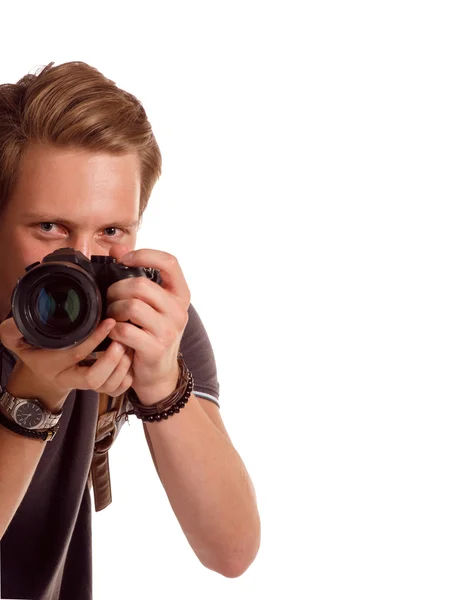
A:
(29, 413)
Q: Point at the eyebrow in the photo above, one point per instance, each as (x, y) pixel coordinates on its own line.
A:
(49, 218)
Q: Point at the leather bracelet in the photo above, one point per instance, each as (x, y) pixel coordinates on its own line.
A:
(170, 405)
(46, 435)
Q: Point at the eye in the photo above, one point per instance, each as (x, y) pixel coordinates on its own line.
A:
(46, 226)
(114, 231)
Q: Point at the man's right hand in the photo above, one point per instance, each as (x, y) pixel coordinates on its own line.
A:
(52, 374)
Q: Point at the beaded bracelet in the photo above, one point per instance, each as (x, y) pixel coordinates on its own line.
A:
(45, 435)
(170, 405)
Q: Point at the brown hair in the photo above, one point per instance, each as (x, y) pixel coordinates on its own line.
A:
(73, 105)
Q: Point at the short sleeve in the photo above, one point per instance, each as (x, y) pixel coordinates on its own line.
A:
(199, 358)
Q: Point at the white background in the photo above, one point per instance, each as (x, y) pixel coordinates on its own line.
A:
(316, 189)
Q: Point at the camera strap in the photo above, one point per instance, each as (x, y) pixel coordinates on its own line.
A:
(111, 416)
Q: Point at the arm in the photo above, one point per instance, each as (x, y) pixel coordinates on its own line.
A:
(19, 455)
(203, 475)
(208, 486)
(59, 373)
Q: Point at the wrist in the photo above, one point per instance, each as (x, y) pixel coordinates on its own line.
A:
(158, 392)
(23, 383)
(150, 408)
(154, 395)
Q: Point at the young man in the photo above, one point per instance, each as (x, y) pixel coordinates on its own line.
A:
(78, 162)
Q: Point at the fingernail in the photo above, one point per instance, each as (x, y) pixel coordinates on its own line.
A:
(127, 257)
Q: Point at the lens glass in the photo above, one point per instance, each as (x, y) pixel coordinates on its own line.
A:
(59, 305)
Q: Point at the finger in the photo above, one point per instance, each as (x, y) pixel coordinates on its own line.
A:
(143, 289)
(118, 375)
(91, 378)
(141, 314)
(168, 266)
(83, 350)
(142, 342)
(56, 359)
(125, 385)
(118, 250)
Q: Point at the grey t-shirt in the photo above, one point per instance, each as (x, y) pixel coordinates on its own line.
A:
(46, 552)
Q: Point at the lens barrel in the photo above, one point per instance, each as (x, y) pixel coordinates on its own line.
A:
(56, 305)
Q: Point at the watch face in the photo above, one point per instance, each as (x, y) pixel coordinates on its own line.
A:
(29, 415)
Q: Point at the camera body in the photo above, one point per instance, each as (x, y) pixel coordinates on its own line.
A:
(61, 300)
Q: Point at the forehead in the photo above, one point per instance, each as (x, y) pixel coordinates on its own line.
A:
(78, 182)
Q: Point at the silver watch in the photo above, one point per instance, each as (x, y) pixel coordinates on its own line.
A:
(28, 412)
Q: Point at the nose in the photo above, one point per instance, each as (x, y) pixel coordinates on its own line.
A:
(87, 245)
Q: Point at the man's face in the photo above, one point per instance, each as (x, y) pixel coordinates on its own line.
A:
(67, 197)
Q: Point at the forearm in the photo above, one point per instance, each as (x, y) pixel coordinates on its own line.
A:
(20, 455)
(208, 487)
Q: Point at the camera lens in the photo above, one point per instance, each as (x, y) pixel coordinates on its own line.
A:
(59, 305)
(56, 305)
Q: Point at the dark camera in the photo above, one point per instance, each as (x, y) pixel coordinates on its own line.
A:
(61, 300)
